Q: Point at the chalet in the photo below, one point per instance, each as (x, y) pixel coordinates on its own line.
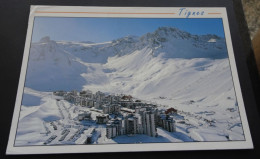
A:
(127, 98)
(171, 111)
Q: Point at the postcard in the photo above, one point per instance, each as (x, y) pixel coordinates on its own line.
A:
(126, 79)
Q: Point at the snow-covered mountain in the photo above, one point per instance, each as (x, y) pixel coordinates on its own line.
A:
(168, 66)
(171, 42)
(71, 65)
(174, 43)
(51, 67)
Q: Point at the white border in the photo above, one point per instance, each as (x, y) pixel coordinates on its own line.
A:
(135, 12)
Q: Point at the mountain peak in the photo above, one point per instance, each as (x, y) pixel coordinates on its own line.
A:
(45, 39)
(164, 34)
(128, 39)
(171, 31)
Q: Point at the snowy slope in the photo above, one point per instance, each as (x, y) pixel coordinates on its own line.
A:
(143, 75)
(33, 116)
(52, 68)
(59, 65)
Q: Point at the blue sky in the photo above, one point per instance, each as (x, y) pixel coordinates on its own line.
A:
(106, 29)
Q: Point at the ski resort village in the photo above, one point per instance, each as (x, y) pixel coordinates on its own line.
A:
(72, 117)
(106, 116)
(165, 86)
